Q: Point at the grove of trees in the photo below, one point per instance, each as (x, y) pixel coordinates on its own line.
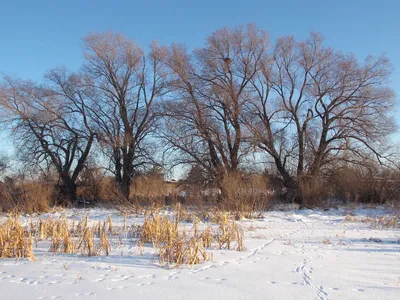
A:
(299, 108)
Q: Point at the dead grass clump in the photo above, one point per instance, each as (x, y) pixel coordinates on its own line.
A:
(386, 222)
(110, 226)
(37, 197)
(229, 232)
(104, 245)
(313, 191)
(326, 241)
(69, 240)
(158, 229)
(207, 237)
(358, 219)
(244, 195)
(182, 251)
(28, 197)
(173, 245)
(125, 226)
(15, 241)
(86, 243)
(182, 214)
(108, 191)
(61, 239)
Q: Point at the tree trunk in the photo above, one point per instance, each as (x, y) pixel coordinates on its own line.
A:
(67, 191)
(291, 184)
(125, 186)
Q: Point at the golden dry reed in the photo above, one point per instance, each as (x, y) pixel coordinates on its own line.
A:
(173, 245)
(15, 241)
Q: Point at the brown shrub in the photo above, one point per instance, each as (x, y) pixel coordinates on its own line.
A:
(244, 195)
(26, 196)
(367, 184)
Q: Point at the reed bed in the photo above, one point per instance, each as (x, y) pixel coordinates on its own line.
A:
(174, 243)
(15, 240)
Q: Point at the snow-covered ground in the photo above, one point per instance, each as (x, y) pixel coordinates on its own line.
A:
(307, 254)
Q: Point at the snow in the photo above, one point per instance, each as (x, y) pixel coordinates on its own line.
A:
(296, 254)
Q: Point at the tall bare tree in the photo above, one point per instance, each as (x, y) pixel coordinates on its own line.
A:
(203, 115)
(50, 125)
(313, 106)
(4, 163)
(127, 84)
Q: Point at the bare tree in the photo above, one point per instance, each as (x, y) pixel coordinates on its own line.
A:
(203, 115)
(313, 106)
(127, 84)
(50, 125)
(4, 163)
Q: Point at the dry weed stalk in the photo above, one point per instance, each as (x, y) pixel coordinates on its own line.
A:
(125, 227)
(86, 243)
(174, 246)
(110, 225)
(15, 241)
(158, 230)
(181, 213)
(61, 240)
(229, 232)
(206, 237)
(386, 222)
(104, 245)
(181, 251)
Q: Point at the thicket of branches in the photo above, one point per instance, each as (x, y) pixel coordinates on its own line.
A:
(308, 113)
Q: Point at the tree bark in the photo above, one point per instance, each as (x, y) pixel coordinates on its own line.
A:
(124, 187)
(68, 191)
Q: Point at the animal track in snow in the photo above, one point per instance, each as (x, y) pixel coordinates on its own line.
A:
(305, 273)
(148, 283)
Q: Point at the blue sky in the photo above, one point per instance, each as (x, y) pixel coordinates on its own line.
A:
(39, 35)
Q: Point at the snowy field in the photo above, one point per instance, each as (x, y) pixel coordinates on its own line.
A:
(307, 254)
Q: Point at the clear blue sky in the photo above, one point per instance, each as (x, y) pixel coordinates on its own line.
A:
(38, 35)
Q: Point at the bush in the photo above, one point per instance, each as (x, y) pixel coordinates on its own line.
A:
(245, 195)
(372, 184)
(24, 196)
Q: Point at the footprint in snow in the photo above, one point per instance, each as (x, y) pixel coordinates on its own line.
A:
(142, 284)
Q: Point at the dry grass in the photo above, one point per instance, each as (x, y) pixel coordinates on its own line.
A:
(181, 250)
(37, 197)
(229, 232)
(149, 187)
(110, 226)
(69, 239)
(383, 221)
(157, 230)
(27, 197)
(358, 219)
(207, 237)
(86, 243)
(104, 245)
(386, 222)
(326, 241)
(182, 214)
(244, 195)
(15, 241)
(174, 245)
(61, 241)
